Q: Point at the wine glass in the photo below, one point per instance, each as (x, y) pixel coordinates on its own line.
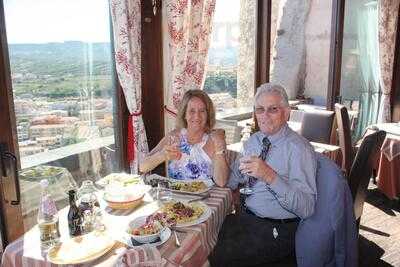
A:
(174, 141)
(247, 188)
(163, 192)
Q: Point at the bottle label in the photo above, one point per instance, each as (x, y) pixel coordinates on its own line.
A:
(48, 206)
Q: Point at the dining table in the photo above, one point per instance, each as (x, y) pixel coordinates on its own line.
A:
(196, 241)
(388, 174)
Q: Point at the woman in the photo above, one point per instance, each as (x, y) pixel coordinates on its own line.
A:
(193, 150)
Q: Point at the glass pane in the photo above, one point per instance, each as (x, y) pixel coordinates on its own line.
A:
(231, 63)
(359, 85)
(300, 46)
(61, 68)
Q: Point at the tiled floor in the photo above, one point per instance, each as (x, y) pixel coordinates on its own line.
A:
(380, 231)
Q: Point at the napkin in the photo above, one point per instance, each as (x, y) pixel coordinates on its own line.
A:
(145, 256)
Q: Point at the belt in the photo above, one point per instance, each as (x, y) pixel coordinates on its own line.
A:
(280, 221)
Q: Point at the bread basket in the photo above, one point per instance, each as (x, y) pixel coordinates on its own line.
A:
(124, 202)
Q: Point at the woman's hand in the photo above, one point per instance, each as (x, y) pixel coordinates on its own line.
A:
(218, 138)
(172, 152)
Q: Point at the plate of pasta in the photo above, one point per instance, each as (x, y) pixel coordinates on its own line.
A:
(182, 186)
(186, 214)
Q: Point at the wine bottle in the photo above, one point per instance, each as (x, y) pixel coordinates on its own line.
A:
(75, 216)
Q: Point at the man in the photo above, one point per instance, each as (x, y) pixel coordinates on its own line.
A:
(282, 179)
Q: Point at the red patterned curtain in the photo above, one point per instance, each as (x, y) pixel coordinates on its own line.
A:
(388, 16)
(188, 26)
(126, 20)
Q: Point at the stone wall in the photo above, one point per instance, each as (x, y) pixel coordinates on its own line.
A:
(318, 36)
(288, 64)
(300, 59)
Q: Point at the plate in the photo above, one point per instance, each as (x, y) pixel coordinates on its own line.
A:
(209, 184)
(81, 249)
(203, 217)
(164, 236)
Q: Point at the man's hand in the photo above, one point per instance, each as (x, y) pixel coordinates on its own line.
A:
(256, 167)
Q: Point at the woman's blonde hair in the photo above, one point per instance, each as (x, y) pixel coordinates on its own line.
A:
(203, 96)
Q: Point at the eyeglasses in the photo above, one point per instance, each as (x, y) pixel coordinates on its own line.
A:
(270, 110)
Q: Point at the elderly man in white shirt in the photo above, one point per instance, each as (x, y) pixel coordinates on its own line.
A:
(281, 173)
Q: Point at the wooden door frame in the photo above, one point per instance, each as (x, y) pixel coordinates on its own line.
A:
(335, 55)
(395, 91)
(12, 214)
(263, 42)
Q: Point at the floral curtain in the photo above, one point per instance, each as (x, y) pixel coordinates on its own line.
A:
(187, 24)
(126, 20)
(387, 20)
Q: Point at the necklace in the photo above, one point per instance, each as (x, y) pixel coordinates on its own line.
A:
(194, 140)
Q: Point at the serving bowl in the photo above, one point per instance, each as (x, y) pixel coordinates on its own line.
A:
(125, 197)
(143, 238)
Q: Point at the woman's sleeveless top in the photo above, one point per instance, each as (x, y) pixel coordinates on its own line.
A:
(194, 162)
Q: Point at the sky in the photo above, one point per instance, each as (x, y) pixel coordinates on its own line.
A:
(42, 21)
(226, 10)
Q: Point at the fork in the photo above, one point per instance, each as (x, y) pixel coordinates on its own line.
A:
(177, 242)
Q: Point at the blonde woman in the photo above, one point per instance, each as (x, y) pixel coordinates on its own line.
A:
(194, 150)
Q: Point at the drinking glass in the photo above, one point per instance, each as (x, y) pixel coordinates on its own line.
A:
(246, 189)
(174, 140)
(163, 193)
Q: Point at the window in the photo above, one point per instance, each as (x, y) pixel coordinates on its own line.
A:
(231, 62)
(61, 68)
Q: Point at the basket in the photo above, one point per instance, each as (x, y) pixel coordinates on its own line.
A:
(124, 205)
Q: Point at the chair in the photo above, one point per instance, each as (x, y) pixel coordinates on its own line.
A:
(344, 132)
(296, 115)
(361, 170)
(329, 236)
(232, 130)
(316, 125)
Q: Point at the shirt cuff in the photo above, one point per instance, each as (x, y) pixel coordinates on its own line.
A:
(279, 186)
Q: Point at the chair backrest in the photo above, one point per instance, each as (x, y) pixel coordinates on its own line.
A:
(344, 132)
(232, 130)
(316, 125)
(296, 115)
(361, 170)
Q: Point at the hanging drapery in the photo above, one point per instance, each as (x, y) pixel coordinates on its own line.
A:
(188, 26)
(370, 93)
(126, 20)
(387, 20)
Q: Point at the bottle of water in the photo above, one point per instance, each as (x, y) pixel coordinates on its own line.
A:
(47, 218)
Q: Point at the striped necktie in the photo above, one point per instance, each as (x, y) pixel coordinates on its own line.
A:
(266, 145)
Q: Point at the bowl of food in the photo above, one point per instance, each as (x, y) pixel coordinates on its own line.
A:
(145, 230)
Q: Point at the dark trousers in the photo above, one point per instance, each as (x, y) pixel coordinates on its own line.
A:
(247, 240)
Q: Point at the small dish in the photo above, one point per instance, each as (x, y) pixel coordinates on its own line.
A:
(164, 236)
(143, 238)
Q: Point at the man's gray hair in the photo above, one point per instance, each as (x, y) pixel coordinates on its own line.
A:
(272, 88)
